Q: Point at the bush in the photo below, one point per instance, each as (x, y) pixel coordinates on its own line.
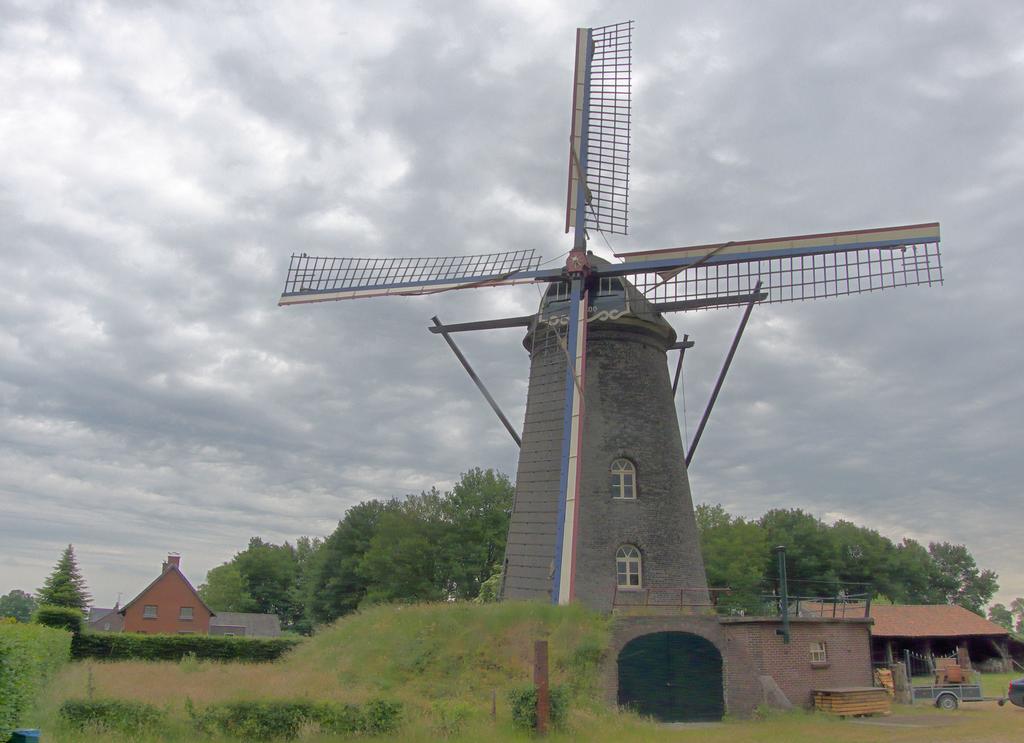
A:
(115, 715)
(266, 720)
(129, 646)
(450, 717)
(59, 617)
(29, 655)
(523, 701)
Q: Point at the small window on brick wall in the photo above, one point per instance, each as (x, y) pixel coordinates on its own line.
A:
(818, 654)
(623, 479)
(149, 611)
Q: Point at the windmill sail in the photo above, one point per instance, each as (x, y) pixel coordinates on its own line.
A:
(791, 268)
(600, 131)
(316, 279)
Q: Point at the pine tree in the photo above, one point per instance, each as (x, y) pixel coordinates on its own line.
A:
(65, 586)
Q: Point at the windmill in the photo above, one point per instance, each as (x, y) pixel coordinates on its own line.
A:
(603, 508)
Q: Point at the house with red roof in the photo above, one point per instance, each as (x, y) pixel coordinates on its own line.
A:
(937, 630)
(168, 605)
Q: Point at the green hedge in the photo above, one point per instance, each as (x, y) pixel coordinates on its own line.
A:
(523, 701)
(268, 720)
(132, 646)
(118, 715)
(59, 617)
(29, 656)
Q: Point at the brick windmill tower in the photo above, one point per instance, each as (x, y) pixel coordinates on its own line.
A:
(603, 512)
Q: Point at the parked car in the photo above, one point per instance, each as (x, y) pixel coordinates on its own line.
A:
(1016, 692)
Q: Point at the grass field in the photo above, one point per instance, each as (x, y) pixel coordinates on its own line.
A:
(444, 663)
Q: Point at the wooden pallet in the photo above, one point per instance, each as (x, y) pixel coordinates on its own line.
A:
(851, 701)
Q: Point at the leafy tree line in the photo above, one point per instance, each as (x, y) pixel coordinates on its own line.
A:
(431, 546)
(738, 553)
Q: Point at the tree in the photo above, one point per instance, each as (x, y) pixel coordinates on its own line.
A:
(270, 572)
(1017, 607)
(958, 577)
(735, 555)
(1002, 616)
(404, 559)
(811, 553)
(224, 589)
(335, 585)
(476, 515)
(65, 586)
(17, 604)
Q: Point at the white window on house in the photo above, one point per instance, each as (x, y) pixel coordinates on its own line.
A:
(623, 479)
(149, 611)
(185, 613)
(627, 567)
(818, 654)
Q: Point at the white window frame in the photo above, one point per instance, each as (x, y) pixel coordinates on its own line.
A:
(623, 479)
(819, 652)
(559, 291)
(629, 568)
(146, 614)
(191, 614)
(609, 285)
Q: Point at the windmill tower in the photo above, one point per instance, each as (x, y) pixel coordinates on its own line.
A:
(603, 512)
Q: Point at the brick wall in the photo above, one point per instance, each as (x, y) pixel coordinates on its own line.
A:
(847, 643)
(169, 594)
(750, 648)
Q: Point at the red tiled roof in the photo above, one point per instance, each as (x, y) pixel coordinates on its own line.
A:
(929, 621)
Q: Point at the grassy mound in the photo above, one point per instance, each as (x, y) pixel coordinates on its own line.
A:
(443, 662)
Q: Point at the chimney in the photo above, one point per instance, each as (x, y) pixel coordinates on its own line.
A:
(173, 560)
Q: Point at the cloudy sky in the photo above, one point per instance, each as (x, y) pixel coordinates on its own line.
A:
(160, 162)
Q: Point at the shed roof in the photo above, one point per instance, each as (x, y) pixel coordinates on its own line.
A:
(260, 625)
(930, 620)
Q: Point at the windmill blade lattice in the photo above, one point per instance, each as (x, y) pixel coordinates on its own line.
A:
(601, 119)
(318, 279)
(793, 268)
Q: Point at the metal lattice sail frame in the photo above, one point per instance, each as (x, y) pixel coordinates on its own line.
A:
(600, 133)
(313, 278)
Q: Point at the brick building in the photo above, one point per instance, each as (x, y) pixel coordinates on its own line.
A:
(168, 605)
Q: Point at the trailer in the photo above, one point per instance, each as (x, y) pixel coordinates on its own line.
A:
(951, 696)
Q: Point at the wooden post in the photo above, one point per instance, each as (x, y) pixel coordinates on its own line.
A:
(899, 682)
(963, 656)
(540, 680)
(888, 652)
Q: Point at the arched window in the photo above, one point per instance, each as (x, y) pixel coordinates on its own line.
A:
(623, 479)
(628, 571)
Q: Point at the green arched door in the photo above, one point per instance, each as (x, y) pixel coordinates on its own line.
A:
(672, 676)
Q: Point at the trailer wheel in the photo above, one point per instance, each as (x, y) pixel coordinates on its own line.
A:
(947, 701)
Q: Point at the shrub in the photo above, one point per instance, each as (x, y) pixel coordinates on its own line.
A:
(29, 655)
(450, 717)
(59, 617)
(129, 646)
(116, 715)
(523, 701)
(267, 720)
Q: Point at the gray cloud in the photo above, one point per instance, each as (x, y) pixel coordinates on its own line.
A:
(162, 161)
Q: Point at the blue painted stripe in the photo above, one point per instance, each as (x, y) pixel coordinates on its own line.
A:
(572, 332)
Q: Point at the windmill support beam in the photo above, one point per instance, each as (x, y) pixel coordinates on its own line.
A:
(439, 328)
(683, 345)
(505, 322)
(725, 370)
